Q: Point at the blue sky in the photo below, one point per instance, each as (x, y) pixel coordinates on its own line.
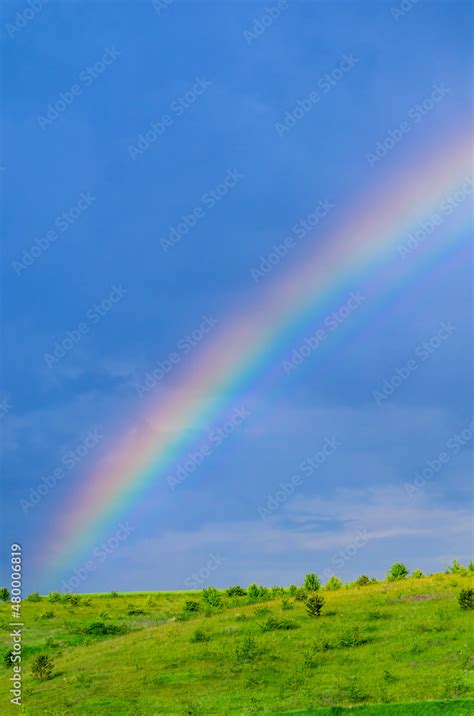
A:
(118, 244)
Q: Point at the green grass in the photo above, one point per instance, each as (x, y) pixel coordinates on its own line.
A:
(401, 648)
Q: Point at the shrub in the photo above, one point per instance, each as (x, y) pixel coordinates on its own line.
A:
(48, 614)
(277, 592)
(54, 597)
(457, 568)
(212, 597)
(133, 610)
(362, 581)
(33, 597)
(397, 571)
(262, 611)
(190, 606)
(466, 598)
(199, 635)
(292, 589)
(247, 651)
(301, 594)
(42, 667)
(113, 594)
(102, 629)
(333, 583)
(351, 638)
(417, 574)
(235, 592)
(470, 567)
(4, 594)
(7, 657)
(286, 604)
(73, 599)
(311, 582)
(314, 605)
(274, 624)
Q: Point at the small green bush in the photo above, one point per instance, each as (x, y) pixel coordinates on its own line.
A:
(333, 583)
(134, 611)
(311, 582)
(7, 657)
(362, 581)
(286, 604)
(262, 611)
(457, 568)
(466, 598)
(417, 574)
(33, 597)
(42, 667)
(113, 594)
(212, 597)
(48, 614)
(274, 624)
(235, 591)
(103, 629)
(292, 589)
(4, 594)
(54, 597)
(191, 606)
(314, 605)
(397, 571)
(247, 650)
(350, 639)
(277, 592)
(199, 635)
(301, 594)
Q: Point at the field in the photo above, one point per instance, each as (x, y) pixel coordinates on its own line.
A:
(402, 647)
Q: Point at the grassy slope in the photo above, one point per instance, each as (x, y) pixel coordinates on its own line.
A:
(416, 650)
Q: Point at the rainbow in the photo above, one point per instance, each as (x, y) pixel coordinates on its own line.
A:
(366, 237)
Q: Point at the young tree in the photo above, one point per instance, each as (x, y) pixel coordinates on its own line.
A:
(311, 582)
(42, 667)
(397, 571)
(314, 605)
(4, 594)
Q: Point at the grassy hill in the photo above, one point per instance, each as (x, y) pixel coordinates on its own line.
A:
(381, 644)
